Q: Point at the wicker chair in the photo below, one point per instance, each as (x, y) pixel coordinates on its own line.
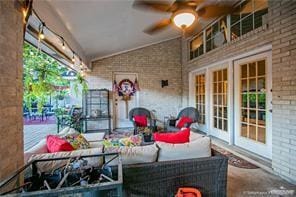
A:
(163, 179)
(190, 112)
(141, 111)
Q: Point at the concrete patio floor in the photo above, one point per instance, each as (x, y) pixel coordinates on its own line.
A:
(256, 182)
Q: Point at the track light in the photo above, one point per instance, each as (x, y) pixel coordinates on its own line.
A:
(63, 44)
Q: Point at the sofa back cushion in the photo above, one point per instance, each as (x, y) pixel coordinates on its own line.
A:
(175, 138)
(198, 148)
(133, 155)
(48, 166)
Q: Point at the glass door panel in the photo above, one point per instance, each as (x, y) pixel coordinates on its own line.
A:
(220, 102)
(200, 100)
(253, 101)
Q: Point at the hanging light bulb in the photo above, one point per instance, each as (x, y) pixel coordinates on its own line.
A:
(63, 43)
(73, 58)
(41, 33)
(81, 65)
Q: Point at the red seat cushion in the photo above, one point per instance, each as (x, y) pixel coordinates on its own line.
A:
(140, 121)
(174, 138)
(57, 144)
(182, 121)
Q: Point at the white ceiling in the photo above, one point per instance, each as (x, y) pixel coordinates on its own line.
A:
(106, 27)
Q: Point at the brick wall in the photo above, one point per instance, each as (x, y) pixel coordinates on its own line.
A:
(281, 34)
(152, 64)
(11, 122)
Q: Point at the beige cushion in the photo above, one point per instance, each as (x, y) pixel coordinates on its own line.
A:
(93, 136)
(39, 148)
(194, 136)
(48, 166)
(133, 155)
(196, 149)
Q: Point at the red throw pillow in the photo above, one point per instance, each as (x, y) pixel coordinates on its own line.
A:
(141, 121)
(56, 144)
(182, 121)
(174, 138)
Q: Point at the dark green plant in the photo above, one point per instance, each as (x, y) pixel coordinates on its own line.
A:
(42, 75)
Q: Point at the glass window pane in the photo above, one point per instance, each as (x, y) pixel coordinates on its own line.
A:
(252, 132)
(225, 99)
(244, 70)
(244, 130)
(235, 31)
(220, 75)
(215, 111)
(244, 116)
(215, 87)
(252, 100)
(215, 123)
(220, 124)
(261, 134)
(215, 28)
(225, 112)
(252, 69)
(261, 67)
(261, 118)
(261, 101)
(252, 116)
(247, 24)
(219, 99)
(225, 125)
(244, 100)
(260, 17)
(209, 33)
(225, 74)
(244, 85)
(220, 87)
(261, 84)
(209, 45)
(252, 85)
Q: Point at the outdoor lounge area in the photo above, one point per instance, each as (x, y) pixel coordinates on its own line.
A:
(148, 98)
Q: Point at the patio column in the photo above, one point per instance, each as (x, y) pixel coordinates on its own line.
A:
(11, 88)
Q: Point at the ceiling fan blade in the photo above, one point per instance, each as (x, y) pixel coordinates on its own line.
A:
(213, 11)
(159, 6)
(161, 25)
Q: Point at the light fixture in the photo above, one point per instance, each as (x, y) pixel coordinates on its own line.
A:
(41, 34)
(63, 44)
(73, 58)
(184, 18)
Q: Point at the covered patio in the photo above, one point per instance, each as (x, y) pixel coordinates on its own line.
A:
(206, 102)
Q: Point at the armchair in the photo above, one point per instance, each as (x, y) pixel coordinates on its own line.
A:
(189, 112)
(140, 111)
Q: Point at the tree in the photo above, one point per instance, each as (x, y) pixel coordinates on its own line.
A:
(42, 77)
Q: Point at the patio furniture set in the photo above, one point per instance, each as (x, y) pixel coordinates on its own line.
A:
(157, 168)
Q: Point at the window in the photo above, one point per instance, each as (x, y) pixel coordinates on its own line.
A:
(250, 15)
(220, 105)
(216, 34)
(200, 97)
(196, 47)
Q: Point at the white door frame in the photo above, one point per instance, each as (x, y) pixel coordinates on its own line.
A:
(253, 146)
(192, 97)
(214, 131)
(230, 62)
(137, 95)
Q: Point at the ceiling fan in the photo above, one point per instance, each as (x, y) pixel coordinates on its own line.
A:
(184, 13)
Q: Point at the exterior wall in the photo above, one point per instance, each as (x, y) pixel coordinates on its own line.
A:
(152, 64)
(281, 34)
(11, 73)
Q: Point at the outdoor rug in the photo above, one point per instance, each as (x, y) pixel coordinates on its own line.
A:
(232, 159)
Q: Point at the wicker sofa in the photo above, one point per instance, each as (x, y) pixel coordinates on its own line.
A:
(164, 178)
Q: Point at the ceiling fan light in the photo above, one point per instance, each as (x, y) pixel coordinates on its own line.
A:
(184, 19)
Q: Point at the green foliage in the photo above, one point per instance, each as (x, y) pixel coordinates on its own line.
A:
(42, 74)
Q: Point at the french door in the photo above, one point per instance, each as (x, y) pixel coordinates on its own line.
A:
(253, 104)
(219, 102)
(200, 99)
